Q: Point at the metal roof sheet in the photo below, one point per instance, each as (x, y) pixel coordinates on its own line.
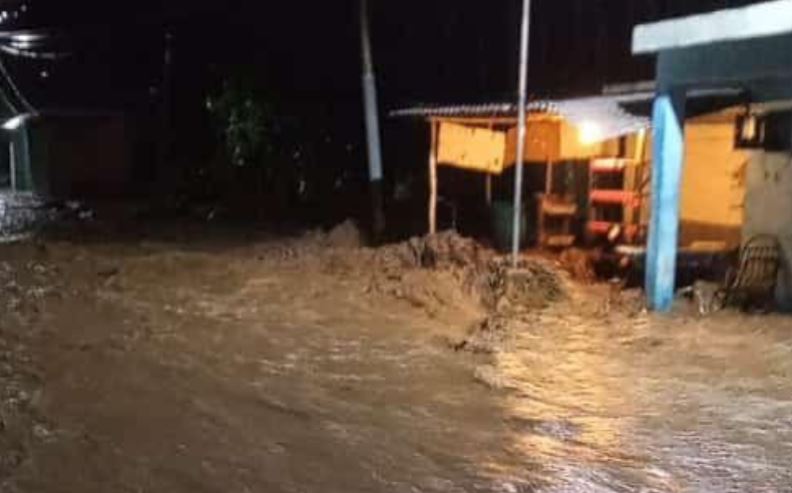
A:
(473, 110)
(604, 111)
(613, 114)
(605, 115)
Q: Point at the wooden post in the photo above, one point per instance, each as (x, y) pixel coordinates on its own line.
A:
(640, 146)
(669, 154)
(634, 178)
(488, 188)
(433, 178)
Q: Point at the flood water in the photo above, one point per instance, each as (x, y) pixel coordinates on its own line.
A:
(179, 371)
(575, 405)
(655, 404)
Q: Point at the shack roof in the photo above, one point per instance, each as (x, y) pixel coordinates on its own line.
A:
(495, 109)
(606, 111)
(615, 113)
(474, 110)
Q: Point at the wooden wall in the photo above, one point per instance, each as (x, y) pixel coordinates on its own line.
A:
(471, 148)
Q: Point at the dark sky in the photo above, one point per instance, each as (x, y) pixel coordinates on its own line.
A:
(425, 50)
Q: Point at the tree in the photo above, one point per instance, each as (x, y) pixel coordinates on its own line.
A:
(246, 123)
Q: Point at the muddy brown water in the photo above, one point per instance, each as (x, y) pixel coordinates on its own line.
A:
(165, 369)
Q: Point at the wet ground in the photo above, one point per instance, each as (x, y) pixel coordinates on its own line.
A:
(252, 367)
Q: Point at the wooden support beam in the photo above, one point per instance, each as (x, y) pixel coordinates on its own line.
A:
(669, 153)
(640, 146)
(634, 179)
(549, 178)
(433, 178)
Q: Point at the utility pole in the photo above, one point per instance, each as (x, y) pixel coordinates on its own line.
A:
(372, 124)
(521, 129)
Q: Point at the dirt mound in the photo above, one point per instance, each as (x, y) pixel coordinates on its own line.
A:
(533, 284)
(439, 274)
(450, 272)
(345, 235)
(479, 273)
(439, 251)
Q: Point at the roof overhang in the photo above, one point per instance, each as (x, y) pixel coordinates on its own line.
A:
(755, 21)
(615, 114)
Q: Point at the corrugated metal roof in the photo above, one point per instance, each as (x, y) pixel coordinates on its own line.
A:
(613, 114)
(605, 114)
(493, 109)
(510, 109)
(605, 111)
(473, 110)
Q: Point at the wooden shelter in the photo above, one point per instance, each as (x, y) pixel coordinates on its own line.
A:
(608, 133)
(483, 139)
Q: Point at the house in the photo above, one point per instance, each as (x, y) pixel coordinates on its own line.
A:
(51, 156)
(64, 155)
(749, 48)
(588, 165)
(481, 139)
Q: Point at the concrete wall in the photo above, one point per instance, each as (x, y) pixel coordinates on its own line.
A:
(768, 209)
(763, 68)
(712, 184)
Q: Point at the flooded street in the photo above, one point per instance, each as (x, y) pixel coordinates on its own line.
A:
(251, 367)
(653, 404)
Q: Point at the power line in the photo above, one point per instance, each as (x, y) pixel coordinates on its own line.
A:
(32, 54)
(8, 102)
(29, 107)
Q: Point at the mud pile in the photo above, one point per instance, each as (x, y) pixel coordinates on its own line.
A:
(437, 272)
(345, 235)
(449, 272)
(480, 271)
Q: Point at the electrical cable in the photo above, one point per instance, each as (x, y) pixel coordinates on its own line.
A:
(29, 107)
(31, 54)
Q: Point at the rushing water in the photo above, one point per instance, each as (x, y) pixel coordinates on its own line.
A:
(290, 385)
(655, 404)
(576, 404)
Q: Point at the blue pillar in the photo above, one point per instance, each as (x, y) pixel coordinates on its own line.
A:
(668, 158)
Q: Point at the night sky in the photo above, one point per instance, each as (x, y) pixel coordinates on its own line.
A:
(307, 53)
(438, 50)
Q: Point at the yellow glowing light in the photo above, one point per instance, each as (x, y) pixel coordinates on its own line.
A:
(589, 133)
